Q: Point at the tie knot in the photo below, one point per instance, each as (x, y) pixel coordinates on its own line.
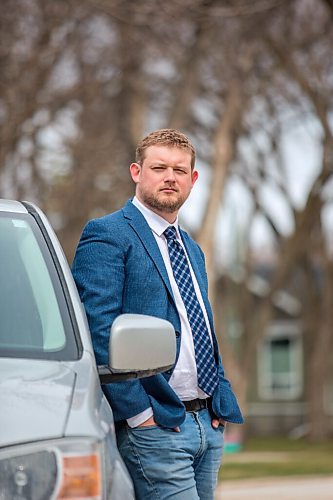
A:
(170, 233)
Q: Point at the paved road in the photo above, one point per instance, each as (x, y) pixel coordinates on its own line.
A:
(319, 488)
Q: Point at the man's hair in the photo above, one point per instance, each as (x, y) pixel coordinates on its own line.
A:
(164, 137)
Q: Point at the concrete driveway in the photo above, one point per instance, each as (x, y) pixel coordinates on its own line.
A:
(320, 488)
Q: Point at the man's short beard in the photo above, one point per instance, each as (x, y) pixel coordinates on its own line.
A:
(168, 206)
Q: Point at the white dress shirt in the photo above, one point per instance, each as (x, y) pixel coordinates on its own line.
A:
(184, 377)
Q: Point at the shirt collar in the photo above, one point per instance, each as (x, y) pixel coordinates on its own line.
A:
(154, 221)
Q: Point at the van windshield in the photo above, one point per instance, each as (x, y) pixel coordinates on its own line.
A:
(34, 318)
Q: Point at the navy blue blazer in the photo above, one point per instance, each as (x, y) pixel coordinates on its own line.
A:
(118, 268)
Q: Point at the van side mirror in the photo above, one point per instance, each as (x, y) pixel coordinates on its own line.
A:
(140, 346)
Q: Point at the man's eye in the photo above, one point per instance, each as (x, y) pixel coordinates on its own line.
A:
(180, 171)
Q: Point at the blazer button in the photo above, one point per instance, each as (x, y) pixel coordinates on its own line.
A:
(177, 335)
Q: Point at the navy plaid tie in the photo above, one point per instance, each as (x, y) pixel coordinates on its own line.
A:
(206, 366)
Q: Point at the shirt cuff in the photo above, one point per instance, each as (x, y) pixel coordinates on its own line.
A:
(140, 418)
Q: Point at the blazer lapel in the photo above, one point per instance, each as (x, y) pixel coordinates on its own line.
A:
(137, 221)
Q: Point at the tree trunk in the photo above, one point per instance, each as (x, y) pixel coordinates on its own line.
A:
(224, 151)
(319, 363)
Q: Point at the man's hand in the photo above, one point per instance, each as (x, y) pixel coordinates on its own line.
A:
(216, 422)
(148, 422)
(151, 421)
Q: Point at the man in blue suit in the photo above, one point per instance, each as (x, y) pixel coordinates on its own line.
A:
(137, 260)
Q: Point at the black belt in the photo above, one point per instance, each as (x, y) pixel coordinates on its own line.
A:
(197, 404)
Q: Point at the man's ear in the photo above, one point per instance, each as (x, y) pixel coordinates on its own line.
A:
(135, 170)
(195, 175)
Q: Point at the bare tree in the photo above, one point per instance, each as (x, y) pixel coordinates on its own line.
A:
(82, 81)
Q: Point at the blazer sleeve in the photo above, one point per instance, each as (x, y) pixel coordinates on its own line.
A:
(99, 270)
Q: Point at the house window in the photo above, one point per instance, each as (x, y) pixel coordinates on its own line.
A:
(280, 362)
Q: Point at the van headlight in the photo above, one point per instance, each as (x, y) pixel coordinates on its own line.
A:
(57, 469)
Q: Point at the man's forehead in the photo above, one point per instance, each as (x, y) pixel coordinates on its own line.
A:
(167, 154)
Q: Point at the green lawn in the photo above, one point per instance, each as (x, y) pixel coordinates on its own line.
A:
(278, 457)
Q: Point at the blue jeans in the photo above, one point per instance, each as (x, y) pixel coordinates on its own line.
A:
(169, 465)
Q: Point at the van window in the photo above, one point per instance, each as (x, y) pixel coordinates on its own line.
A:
(34, 320)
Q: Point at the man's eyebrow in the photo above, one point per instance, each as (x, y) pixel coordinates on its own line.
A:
(162, 164)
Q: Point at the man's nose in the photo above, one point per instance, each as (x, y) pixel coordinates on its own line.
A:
(169, 175)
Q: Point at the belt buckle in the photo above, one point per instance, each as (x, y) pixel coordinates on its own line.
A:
(196, 404)
(203, 404)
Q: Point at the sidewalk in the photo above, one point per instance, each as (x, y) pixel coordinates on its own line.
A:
(298, 488)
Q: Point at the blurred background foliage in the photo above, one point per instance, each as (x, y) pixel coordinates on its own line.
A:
(82, 81)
